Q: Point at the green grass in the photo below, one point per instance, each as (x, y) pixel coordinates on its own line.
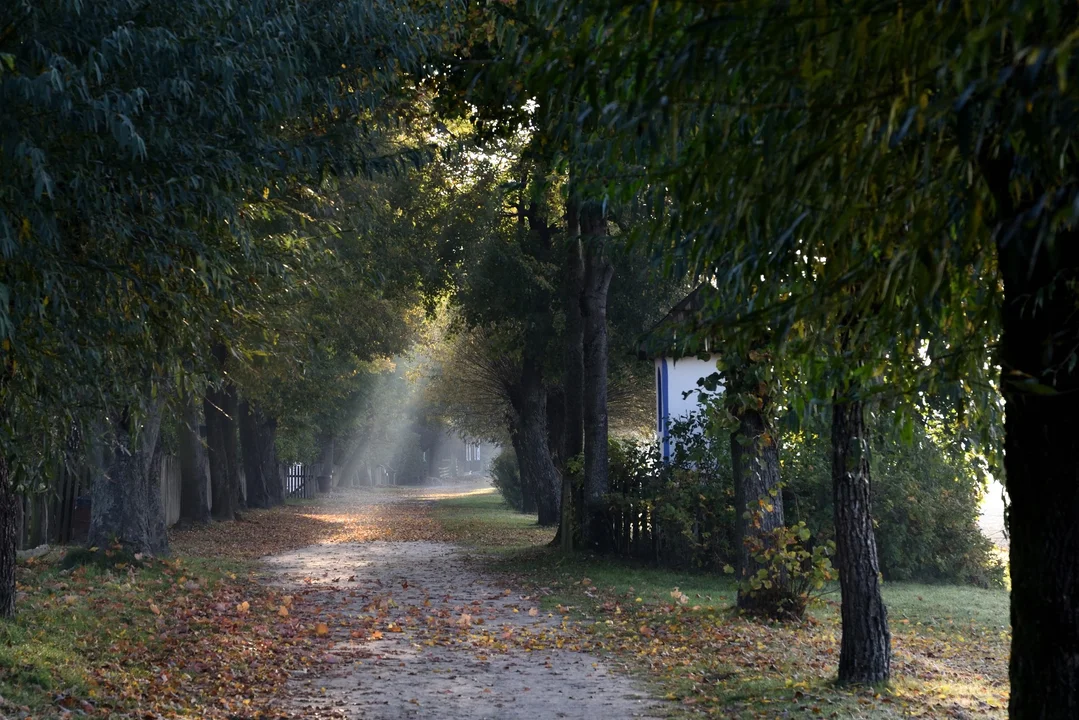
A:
(929, 605)
(70, 621)
(950, 641)
(481, 520)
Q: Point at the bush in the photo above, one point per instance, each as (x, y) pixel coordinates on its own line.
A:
(792, 572)
(926, 497)
(507, 479)
(679, 513)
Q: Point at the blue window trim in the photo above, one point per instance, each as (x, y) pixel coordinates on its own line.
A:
(665, 412)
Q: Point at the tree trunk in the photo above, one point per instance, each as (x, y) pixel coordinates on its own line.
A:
(194, 467)
(271, 470)
(556, 425)
(573, 371)
(529, 399)
(325, 462)
(8, 522)
(125, 504)
(254, 473)
(866, 649)
(598, 271)
(221, 480)
(1041, 463)
(230, 428)
(758, 501)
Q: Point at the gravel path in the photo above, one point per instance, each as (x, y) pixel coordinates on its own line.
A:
(441, 639)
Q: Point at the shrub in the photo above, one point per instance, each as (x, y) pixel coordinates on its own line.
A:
(791, 573)
(679, 513)
(507, 479)
(926, 495)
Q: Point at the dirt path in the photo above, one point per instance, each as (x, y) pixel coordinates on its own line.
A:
(416, 630)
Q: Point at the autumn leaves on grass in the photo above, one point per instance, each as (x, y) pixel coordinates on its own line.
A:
(349, 516)
(170, 638)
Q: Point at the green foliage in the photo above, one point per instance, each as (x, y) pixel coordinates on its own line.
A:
(103, 558)
(926, 496)
(146, 218)
(507, 479)
(679, 513)
(793, 572)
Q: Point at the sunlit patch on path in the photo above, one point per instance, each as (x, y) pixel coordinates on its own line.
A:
(411, 628)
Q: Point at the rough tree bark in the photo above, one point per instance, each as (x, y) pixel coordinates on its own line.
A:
(866, 649)
(529, 400)
(194, 467)
(573, 375)
(598, 272)
(125, 505)
(1041, 463)
(556, 426)
(758, 501)
(254, 472)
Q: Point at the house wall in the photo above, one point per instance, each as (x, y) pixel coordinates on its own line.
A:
(674, 378)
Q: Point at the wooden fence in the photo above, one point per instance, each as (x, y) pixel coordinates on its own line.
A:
(301, 481)
(671, 524)
(63, 515)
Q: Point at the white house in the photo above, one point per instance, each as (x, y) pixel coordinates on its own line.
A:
(679, 366)
(677, 382)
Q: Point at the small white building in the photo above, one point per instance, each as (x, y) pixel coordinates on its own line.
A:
(677, 386)
(679, 367)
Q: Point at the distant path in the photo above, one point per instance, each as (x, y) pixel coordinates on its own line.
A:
(414, 630)
(991, 515)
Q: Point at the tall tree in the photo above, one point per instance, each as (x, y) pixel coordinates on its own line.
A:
(842, 187)
(258, 474)
(573, 370)
(865, 653)
(124, 219)
(125, 491)
(598, 271)
(194, 465)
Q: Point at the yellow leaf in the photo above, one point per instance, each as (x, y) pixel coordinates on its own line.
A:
(282, 611)
(243, 607)
(322, 629)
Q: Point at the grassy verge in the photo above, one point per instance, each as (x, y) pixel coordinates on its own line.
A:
(479, 519)
(950, 643)
(195, 635)
(103, 641)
